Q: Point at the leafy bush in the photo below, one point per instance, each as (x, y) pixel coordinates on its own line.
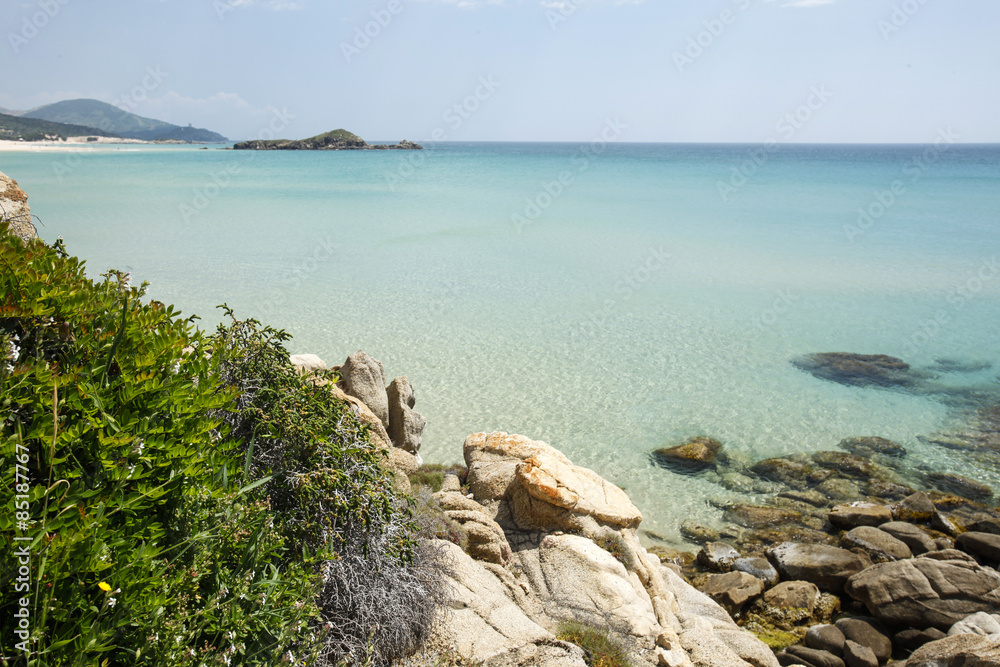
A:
(128, 483)
(332, 497)
(601, 649)
(190, 499)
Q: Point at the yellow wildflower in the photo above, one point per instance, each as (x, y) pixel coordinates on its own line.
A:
(104, 586)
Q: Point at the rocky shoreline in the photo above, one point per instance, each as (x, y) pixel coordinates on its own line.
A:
(337, 140)
(846, 565)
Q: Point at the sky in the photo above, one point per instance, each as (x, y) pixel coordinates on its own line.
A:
(521, 70)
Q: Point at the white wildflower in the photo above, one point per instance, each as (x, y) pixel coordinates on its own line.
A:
(112, 602)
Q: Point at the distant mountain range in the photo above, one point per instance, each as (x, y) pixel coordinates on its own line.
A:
(15, 128)
(102, 119)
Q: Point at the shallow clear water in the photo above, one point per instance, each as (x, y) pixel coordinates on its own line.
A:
(637, 308)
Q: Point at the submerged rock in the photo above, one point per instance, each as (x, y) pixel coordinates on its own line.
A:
(786, 471)
(878, 370)
(699, 453)
(959, 485)
(866, 446)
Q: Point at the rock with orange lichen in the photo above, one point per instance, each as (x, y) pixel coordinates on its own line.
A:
(544, 489)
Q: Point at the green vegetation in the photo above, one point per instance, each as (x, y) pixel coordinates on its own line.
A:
(109, 118)
(336, 139)
(190, 500)
(612, 542)
(31, 129)
(600, 647)
(431, 475)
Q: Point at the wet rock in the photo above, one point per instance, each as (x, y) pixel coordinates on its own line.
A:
(794, 595)
(718, 556)
(838, 488)
(757, 567)
(916, 508)
(984, 546)
(887, 491)
(916, 539)
(868, 446)
(927, 590)
(859, 514)
(814, 498)
(756, 542)
(851, 465)
(815, 658)
(784, 471)
(760, 516)
(862, 632)
(959, 485)
(738, 482)
(877, 370)
(911, 639)
(878, 544)
(696, 454)
(698, 533)
(681, 559)
(826, 637)
(856, 655)
(732, 590)
(826, 566)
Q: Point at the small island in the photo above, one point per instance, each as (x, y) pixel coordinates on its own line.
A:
(337, 140)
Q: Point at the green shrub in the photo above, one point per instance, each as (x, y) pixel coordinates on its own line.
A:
(192, 500)
(129, 483)
(600, 647)
(431, 475)
(332, 497)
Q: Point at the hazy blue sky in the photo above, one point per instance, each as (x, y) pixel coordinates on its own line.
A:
(852, 70)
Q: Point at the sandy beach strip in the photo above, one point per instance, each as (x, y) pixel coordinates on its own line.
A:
(74, 144)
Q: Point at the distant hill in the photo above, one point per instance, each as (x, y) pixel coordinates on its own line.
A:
(337, 140)
(109, 118)
(32, 129)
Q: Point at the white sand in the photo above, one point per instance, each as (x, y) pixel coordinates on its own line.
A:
(71, 144)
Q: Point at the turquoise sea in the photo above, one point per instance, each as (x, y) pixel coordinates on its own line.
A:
(608, 299)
